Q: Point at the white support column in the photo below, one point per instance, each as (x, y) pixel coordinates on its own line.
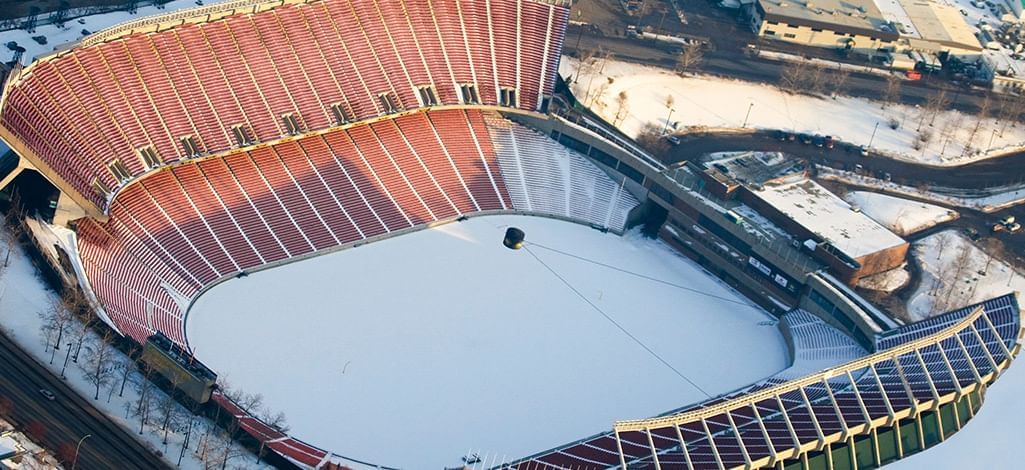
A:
(654, 452)
(886, 398)
(711, 443)
(619, 447)
(740, 441)
(814, 420)
(683, 447)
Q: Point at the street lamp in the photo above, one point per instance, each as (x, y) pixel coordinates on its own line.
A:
(77, 448)
(748, 114)
(66, 357)
(873, 138)
(666, 128)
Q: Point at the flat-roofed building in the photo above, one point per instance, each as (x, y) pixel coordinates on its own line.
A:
(866, 26)
(857, 24)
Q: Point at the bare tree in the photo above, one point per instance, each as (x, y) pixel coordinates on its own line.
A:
(128, 371)
(145, 390)
(97, 367)
(622, 108)
(933, 105)
(840, 79)
(982, 115)
(690, 57)
(891, 93)
(56, 321)
(793, 76)
(817, 79)
(14, 225)
(650, 137)
(169, 410)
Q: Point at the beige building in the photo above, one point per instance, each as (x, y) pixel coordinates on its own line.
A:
(866, 26)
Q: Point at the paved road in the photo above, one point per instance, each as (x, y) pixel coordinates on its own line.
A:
(979, 175)
(68, 418)
(729, 59)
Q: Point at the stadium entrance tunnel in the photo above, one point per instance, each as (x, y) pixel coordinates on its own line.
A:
(469, 345)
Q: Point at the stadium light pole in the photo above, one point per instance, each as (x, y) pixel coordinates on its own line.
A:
(66, 357)
(873, 138)
(74, 462)
(748, 114)
(668, 118)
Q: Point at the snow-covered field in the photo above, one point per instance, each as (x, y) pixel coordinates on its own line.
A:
(903, 216)
(415, 350)
(23, 296)
(72, 30)
(710, 102)
(952, 270)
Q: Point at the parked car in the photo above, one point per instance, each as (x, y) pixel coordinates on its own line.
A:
(863, 150)
(780, 136)
(673, 139)
(829, 142)
(1007, 220)
(1014, 228)
(47, 394)
(818, 141)
(998, 227)
(805, 139)
(972, 234)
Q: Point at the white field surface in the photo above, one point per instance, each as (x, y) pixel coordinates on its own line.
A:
(710, 102)
(414, 350)
(903, 216)
(944, 287)
(23, 295)
(72, 30)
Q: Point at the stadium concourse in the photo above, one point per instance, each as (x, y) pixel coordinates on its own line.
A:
(208, 144)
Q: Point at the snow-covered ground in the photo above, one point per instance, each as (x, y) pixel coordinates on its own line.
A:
(886, 281)
(72, 30)
(952, 270)
(23, 296)
(903, 216)
(990, 200)
(413, 350)
(712, 102)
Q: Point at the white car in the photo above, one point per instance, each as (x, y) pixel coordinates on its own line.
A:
(47, 394)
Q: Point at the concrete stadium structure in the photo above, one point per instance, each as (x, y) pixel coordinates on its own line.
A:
(205, 144)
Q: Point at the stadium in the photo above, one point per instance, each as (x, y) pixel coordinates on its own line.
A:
(310, 197)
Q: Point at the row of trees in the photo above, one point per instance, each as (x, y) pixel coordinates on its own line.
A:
(67, 326)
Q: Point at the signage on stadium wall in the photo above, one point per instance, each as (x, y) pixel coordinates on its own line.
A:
(781, 279)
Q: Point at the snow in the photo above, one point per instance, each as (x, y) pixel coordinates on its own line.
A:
(412, 350)
(987, 200)
(23, 295)
(886, 281)
(947, 283)
(903, 216)
(705, 102)
(822, 212)
(72, 31)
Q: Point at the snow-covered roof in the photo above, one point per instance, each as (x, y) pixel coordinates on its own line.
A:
(822, 212)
